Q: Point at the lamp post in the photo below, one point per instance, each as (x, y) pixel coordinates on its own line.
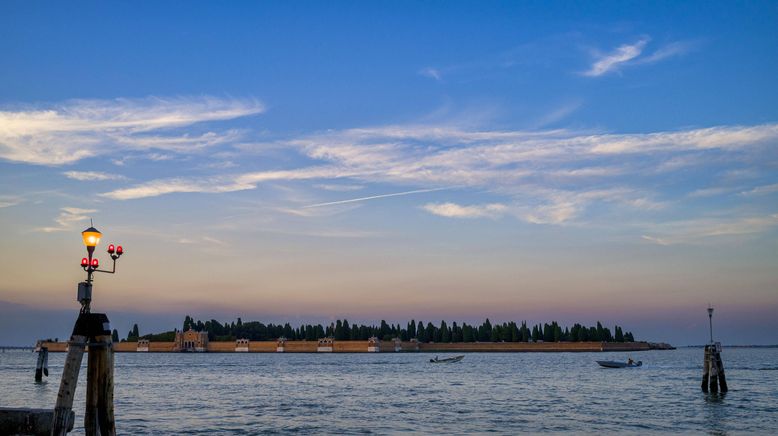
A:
(710, 322)
(93, 330)
(90, 264)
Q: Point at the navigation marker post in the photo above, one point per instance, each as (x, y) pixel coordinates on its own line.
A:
(713, 376)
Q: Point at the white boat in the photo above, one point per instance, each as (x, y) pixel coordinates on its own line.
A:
(448, 359)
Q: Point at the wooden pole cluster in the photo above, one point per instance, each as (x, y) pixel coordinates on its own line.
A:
(94, 330)
(42, 367)
(713, 377)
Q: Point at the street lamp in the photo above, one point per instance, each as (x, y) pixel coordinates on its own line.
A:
(93, 330)
(710, 322)
(91, 238)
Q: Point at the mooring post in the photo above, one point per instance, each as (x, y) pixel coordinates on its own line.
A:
(42, 367)
(714, 371)
(92, 379)
(722, 378)
(713, 376)
(705, 369)
(105, 386)
(98, 416)
(67, 387)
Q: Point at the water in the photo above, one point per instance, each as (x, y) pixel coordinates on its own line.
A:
(391, 393)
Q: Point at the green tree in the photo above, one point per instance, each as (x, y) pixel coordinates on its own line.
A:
(467, 333)
(115, 335)
(445, 333)
(619, 335)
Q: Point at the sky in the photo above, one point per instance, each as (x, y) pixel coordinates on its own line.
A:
(310, 161)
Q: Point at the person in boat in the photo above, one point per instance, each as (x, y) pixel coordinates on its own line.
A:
(630, 361)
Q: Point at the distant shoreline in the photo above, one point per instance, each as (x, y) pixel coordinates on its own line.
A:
(356, 346)
(731, 346)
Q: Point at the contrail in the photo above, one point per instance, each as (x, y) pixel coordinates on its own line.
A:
(373, 197)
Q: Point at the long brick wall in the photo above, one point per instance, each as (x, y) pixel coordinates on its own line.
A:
(388, 346)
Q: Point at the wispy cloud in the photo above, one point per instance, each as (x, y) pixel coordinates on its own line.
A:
(548, 176)
(67, 218)
(453, 210)
(762, 190)
(8, 201)
(611, 61)
(339, 187)
(156, 188)
(711, 192)
(430, 72)
(704, 229)
(633, 54)
(676, 48)
(65, 133)
(92, 176)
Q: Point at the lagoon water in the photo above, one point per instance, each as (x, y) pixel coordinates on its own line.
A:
(390, 393)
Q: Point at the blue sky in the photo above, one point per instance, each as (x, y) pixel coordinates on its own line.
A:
(611, 161)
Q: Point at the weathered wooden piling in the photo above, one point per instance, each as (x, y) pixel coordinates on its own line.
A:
(722, 377)
(93, 329)
(63, 416)
(99, 389)
(713, 378)
(713, 372)
(712, 367)
(706, 370)
(42, 367)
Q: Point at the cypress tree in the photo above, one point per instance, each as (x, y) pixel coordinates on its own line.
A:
(445, 333)
(432, 333)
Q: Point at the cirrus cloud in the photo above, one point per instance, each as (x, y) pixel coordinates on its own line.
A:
(78, 129)
(454, 210)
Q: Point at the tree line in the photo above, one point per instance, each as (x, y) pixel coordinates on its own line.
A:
(444, 332)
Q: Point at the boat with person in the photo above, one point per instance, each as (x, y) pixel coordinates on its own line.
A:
(448, 359)
(614, 364)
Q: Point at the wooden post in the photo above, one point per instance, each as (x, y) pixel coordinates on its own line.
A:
(42, 367)
(716, 357)
(67, 387)
(92, 386)
(705, 369)
(720, 366)
(98, 416)
(714, 371)
(105, 415)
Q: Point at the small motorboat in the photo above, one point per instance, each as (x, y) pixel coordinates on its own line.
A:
(613, 364)
(447, 360)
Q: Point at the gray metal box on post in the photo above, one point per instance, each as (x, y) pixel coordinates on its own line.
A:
(84, 292)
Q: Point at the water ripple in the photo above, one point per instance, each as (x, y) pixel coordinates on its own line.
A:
(225, 394)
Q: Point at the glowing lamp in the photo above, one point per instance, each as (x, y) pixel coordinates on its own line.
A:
(110, 249)
(84, 262)
(91, 237)
(95, 263)
(119, 250)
